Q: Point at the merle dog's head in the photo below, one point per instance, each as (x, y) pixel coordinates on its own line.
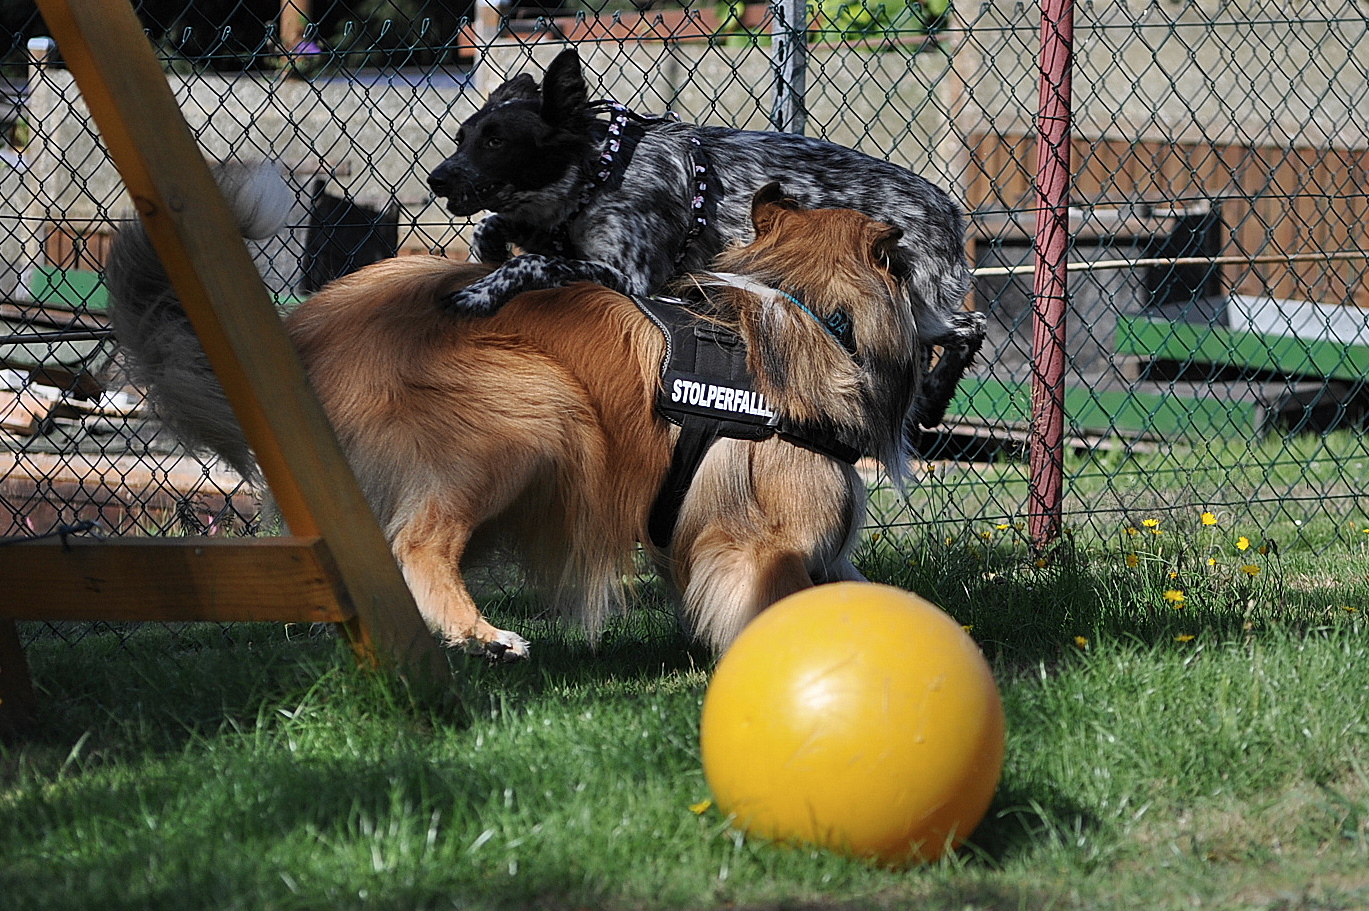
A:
(525, 139)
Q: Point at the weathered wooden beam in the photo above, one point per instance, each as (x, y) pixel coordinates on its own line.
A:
(18, 704)
(285, 580)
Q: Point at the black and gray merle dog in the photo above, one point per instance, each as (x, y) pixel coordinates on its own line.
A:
(592, 192)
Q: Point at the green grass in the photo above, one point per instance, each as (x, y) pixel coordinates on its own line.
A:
(1214, 754)
(1304, 490)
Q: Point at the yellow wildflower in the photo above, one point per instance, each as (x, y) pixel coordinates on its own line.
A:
(1175, 597)
(1151, 523)
(1002, 526)
(1131, 530)
(1242, 543)
(1081, 642)
(1250, 569)
(1184, 637)
(1209, 519)
(700, 808)
(1133, 561)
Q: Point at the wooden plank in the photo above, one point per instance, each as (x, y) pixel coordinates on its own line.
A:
(1199, 343)
(284, 580)
(75, 289)
(1119, 412)
(196, 237)
(21, 411)
(18, 703)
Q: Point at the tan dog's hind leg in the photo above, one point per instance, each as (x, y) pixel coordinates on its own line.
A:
(762, 521)
(429, 549)
(729, 582)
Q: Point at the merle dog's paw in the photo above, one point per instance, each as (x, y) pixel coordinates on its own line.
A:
(490, 243)
(529, 272)
(600, 274)
(472, 300)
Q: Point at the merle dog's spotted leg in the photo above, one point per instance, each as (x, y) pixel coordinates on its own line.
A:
(490, 243)
(529, 272)
(959, 345)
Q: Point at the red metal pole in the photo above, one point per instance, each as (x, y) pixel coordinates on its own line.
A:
(1047, 450)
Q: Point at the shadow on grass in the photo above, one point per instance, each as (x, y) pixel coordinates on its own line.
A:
(108, 691)
(1020, 821)
(152, 686)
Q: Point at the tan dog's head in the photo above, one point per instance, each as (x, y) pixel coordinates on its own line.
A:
(838, 347)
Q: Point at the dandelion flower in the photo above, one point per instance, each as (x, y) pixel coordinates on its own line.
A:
(1250, 569)
(1081, 641)
(1175, 597)
(1209, 519)
(1133, 561)
(1242, 543)
(1151, 523)
(986, 535)
(1002, 526)
(1184, 637)
(1349, 609)
(1131, 530)
(1211, 561)
(700, 808)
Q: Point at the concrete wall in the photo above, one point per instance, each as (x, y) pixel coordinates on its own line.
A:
(1216, 71)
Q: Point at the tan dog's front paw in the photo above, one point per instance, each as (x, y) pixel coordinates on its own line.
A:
(506, 646)
(495, 644)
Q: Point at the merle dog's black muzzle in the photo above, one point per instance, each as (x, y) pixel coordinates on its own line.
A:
(447, 181)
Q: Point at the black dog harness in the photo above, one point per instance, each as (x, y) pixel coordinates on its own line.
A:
(707, 391)
(625, 130)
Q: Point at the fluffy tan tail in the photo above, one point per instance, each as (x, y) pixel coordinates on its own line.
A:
(163, 353)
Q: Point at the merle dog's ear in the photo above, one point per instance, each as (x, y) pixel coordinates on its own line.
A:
(766, 205)
(520, 88)
(564, 96)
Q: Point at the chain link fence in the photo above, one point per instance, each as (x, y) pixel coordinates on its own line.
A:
(1217, 332)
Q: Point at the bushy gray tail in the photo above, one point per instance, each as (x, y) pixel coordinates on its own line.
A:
(163, 355)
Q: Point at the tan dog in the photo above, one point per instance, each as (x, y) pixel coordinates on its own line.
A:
(534, 430)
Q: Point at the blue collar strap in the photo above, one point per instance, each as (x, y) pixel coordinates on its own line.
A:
(838, 325)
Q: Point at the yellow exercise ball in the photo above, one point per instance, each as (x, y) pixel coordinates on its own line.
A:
(856, 717)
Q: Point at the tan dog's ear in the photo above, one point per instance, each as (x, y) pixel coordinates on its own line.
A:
(884, 245)
(766, 206)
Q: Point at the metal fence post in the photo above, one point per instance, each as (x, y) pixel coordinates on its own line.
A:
(40, 161)
(789, 54)
(1051, 294)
